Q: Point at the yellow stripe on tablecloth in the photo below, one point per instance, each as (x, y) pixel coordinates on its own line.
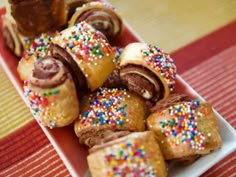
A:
(13, 111)
(173, 24)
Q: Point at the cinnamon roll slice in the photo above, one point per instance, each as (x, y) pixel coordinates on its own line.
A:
(101, 16)
(88, 52)
(51, 93)
(147, 70)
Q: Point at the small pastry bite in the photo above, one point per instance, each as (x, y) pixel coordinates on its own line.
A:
(102, 16)
(185, 130)
(135, 154)
(38, 49)
(10, 36)
(51, 93)
(147, 70)
(109, 110)
(88, 53)
(35, 17)
(113, 79)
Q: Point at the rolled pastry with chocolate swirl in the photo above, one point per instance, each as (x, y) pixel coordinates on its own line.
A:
(37, 50)
(147, 70)
(135, 154)
(10, 36)
(185, 130)
(101, 16)
(109, 110)
(51, 93)
(88, 52)
(35, 17)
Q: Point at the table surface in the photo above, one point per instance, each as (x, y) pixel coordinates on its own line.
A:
(201, 38)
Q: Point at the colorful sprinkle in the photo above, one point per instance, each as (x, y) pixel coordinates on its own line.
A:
(105, 108)
(85, 44)
(38, 49)
(40, 103)
(128, 159)
(183, 125)
(160, 61)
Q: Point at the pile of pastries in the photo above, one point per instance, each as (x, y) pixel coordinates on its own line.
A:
(120, 100)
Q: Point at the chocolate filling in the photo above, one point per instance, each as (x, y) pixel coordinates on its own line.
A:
(78, 77)
(105, 23)
(48, 72)
(141, 85)
(169, 101)
(97, 135)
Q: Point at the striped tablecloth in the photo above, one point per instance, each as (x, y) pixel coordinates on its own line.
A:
(207, 63)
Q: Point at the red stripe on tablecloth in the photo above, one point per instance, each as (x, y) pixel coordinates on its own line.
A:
(204, 48)
(28, 151)
(44, 162)
(21, 143)
(221, 168)
(221, 90)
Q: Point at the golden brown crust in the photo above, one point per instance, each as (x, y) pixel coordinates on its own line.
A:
(90, 50)
(182, 133)
(128, 150)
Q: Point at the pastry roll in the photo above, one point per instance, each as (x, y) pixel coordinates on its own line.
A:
(35, 16)
(101, 16)
(38, 49)
(136, 154)
(108, 110)
(147, 70)
(51, 93)
(88, 52)
(185, 130)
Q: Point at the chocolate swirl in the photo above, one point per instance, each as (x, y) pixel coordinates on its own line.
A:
(141, 81)
(48, 72)
(104, 19)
